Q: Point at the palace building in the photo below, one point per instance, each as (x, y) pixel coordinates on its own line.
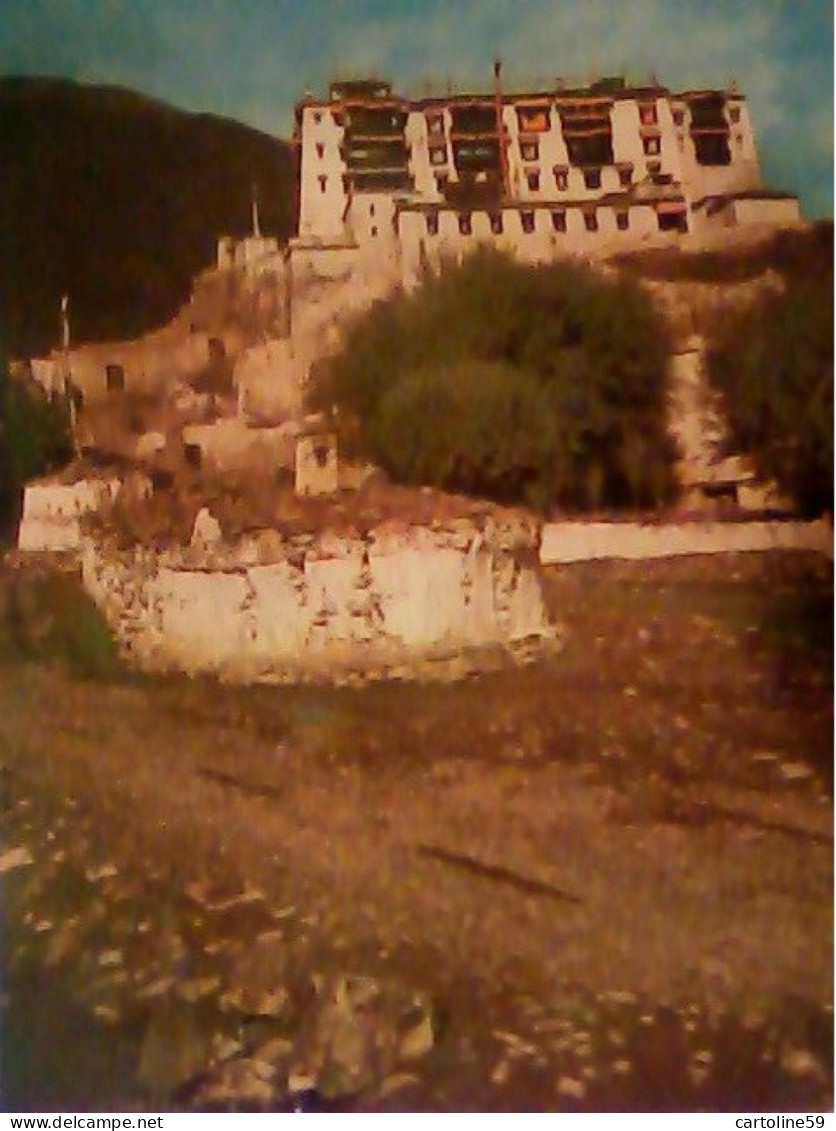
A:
(540, 174)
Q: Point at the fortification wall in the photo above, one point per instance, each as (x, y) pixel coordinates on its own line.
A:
(595, 541)
(394, 600)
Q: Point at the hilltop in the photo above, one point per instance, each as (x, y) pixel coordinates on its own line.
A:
(118, 200)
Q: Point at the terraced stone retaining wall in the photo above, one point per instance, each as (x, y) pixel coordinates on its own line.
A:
(272, 608)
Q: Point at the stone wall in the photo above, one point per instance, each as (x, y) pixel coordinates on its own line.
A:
(591, 541)
(395, 599)
(52, 512)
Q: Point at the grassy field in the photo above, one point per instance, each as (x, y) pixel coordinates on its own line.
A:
(649, 810)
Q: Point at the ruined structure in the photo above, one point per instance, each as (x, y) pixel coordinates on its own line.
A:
(398, 599)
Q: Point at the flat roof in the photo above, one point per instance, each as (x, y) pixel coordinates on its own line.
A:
(600, 92)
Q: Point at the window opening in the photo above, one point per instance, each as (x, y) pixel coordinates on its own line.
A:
(672, 221)
(192, 455)
(465, 223)
(559, 221)
(527, 221)
(496, 222)
(533, 179)
(590, 219)
(115, 378)
(592, 178)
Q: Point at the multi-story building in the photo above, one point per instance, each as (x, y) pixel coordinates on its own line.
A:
(540, 174)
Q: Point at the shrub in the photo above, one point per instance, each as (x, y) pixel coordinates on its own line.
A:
(34, 438)
(537, 384)
(773, 366)
(48, 618)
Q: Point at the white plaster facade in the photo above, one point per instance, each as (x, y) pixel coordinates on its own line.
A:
(565, 542)
(539, 174)
(52, 512)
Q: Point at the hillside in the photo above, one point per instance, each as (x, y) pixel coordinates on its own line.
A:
(118, 200)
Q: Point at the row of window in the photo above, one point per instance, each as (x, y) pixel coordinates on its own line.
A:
(667, 221)
(530, 149)
(591, 177)
(538, 121)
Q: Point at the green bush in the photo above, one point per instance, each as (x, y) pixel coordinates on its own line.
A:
(538, 384)
(773, 367)
(34, 438)
(48, 618)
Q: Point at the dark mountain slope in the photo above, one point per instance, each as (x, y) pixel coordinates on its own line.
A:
(118, 201)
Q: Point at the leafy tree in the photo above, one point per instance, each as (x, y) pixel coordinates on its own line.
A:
(34, 438)
(537, 384)
(773, 367)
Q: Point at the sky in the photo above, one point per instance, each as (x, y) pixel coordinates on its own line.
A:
(252, 59)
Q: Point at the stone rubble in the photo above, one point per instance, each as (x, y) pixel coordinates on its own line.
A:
(247, 1027)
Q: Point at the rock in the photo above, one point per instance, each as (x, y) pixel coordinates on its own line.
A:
(258, 975)
(207, 530)
(500, 1073)
(274, 1050)
(794, 771)
(13, 858)
(224, 1047)
(104, 872)
(61, 945)
(175, 1048)
(418, 1040)
(800, 1063)
(395, 1083)
(622, 1067)
(157, 988)
(571, 1088)
(697, 1074)
(357, 1030)
(110, 958)
(107, 1013)
(237, 1083)
(193, 989)
(272, 1004)
(516, 1045)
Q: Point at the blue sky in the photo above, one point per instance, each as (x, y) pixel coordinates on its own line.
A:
(251, 59)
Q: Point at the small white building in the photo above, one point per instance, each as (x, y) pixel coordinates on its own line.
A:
(406, 182)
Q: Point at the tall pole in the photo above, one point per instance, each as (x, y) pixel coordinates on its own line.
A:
(500, 127)
(65, 365)
(256, 221)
